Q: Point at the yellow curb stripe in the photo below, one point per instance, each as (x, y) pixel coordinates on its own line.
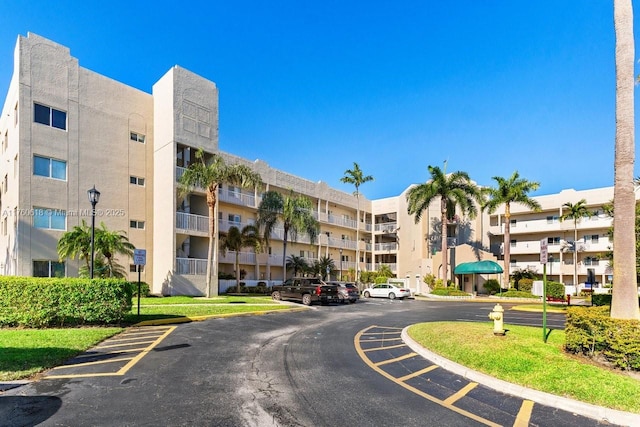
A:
(397, 359)
(460, 393)
(97, 362)
(524, 415)
(366, 360)
(385, 348)
(418, 373)
(128, 350)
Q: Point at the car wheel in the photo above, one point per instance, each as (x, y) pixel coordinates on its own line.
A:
(352, 301)
(306, 299)
(392, 296)
(366, 295)
(276, 296)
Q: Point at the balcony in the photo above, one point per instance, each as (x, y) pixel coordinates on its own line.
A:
(386, 227)
(191, 266)
(386, 247)
(192, 223)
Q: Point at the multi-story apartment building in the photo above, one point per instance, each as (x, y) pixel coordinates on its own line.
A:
(65, 129)
(569, 262)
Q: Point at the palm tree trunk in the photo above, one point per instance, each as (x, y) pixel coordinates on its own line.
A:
(237, 272)
(284, 254)
(575, 254)
(624, 303)
(357, 234)
(211, 203)
(445, 251)
(507, 244)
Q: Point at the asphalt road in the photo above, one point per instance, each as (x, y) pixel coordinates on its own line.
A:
(320, 367)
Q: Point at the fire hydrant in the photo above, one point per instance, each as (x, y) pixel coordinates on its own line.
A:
(498, 320)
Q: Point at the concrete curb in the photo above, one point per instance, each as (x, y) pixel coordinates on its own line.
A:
(559, 402)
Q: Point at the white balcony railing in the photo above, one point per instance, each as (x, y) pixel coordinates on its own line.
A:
(191, 266)
(192, 222)
(386, 247)
(386, 227)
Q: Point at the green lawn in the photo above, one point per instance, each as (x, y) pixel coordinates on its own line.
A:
(521, 357)
(26, 352)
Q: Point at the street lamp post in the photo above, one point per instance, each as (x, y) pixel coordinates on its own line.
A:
(94, 197)
(341, 264)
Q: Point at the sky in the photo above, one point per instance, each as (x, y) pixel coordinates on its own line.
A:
(486, 87)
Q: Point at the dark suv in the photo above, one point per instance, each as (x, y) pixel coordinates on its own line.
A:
(347, 292)
(306, 290)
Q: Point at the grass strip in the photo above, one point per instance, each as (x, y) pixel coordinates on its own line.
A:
(25, 352)
(521, 357)
(172, 311)
(201, 300)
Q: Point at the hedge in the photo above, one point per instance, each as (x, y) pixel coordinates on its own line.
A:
(592, 332)
(604, 299)
(45, 302)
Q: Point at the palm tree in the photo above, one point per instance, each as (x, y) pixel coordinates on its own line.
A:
(356, 177)
(236, 239)
(209, 172)
(575, 212)
(111, 243)
(624, 303)
(297, 264)
(454, 190)
(326, 266)
(295, 214)
(76, 243)
(510, 190)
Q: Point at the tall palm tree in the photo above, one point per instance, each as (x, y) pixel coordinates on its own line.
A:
(76, 243)
(297, 264)
(326, 266)
(575, 212)
(295, 214)
(111, 243)
(454, 190)
(510, 190)
(236, 239)
(624, 303)
(357, 178)
(209, 172)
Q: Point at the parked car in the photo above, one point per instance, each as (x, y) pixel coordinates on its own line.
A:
(386, 290)
(347, 292)
(306, 290)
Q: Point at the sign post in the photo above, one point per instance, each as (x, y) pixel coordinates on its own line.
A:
(544, 255)
(139, 259)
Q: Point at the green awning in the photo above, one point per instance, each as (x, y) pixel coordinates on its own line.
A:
(479, 267)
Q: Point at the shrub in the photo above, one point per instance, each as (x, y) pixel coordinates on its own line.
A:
(492, 286)
(43, 302)
(555, 290)
(145, 290)
(591, 331)
(525, 285)
(518, 294)
(449, 292)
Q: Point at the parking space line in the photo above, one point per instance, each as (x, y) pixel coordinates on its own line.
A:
(383, 339)
(97, 362)
(524, 415)
(131, 361)
(397, 359)
(460, 393)
(358, 339)
(385, 347)
(418, 373)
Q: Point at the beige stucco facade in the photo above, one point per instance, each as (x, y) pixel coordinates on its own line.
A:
(133, 146)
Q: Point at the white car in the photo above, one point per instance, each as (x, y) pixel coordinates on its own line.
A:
(386, 290)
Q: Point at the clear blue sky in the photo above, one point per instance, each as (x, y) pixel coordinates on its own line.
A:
(311, 87)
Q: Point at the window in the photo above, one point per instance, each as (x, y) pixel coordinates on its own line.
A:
(49, 116)
(553, 240)
(133, 269)
(50, 168)
(136, 180)
(552, 219)
(514, 242)
(4, 226)
(591, 261)
(513, 263)
(48, 269)
(5, 183)
(591, 238)
(5, 141)
(136, 224)
(137, 137)
(513, 222)
(236, 219)
(15, 115)
(52, 219)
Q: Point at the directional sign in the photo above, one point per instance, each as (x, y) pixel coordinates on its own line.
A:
(544, 253)
(139, 256)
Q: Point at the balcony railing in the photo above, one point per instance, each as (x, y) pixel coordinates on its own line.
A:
(191, 266)
(386, 227)
(192, 222)
(382, 247)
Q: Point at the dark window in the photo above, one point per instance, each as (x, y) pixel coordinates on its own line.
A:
(49, 116)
